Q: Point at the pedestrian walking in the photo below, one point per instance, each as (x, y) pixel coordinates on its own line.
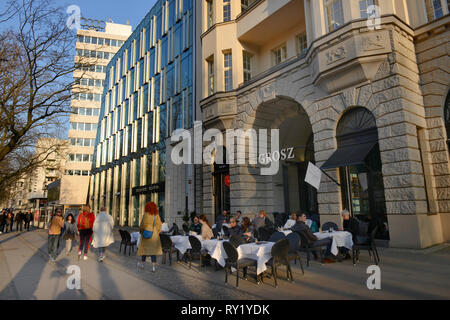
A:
(28, 220)
(11, 222)
(3, 217)
(103, 233)
(150, 228)
(70, 232)
(19, 221)
(85, 224)
(54, 234)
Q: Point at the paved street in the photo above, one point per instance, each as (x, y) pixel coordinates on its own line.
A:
(27, 274)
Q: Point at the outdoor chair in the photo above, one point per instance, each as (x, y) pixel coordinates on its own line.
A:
(226, 231)
(186, 229)
(233, 261)
(368, 245)
(168, 248)
(196, 251)
(305, 247)
(328, 225)
(263, 234)
(236, 240)
(280, 256)
(294, 247)
(122, 240)
(276, 236)
(127, 242)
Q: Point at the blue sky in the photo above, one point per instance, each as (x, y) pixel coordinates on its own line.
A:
(118, 11)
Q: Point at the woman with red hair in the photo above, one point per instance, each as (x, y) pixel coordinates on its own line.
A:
(150, 227)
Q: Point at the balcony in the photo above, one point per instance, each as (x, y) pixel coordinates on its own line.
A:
(255, 25)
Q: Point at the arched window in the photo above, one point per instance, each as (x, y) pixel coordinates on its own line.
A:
(359, 162)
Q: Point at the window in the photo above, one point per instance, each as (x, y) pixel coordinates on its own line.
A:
(228, 71)
(279, 54)
(247, 61)
(302, 43)
(434, 9)
(334, 14)
(210, 13)
(364, 5)
(226, 10)
(211, 76)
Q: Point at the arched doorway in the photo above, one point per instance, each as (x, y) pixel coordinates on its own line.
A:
(360, 169)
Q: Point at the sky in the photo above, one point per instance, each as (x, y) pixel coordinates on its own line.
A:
(118, 10)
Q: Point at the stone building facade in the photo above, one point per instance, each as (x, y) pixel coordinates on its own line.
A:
(349, 81)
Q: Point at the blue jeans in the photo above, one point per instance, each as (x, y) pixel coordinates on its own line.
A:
(152, 257)
(53, 242)
(101, 251)
(324, 242)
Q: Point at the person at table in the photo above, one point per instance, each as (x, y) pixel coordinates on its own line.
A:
(223, 218)
(234, 228)
(150, 246)
(313, 241)
(247, 229)
(206, 230)
(196, 226)
(238, 216)
(290, 223)
(261, 221)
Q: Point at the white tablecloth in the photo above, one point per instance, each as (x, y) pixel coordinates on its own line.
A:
(261, 252)
(165, 227)
(340, 239)
(182, 243)
(215, 249)
(136, 236)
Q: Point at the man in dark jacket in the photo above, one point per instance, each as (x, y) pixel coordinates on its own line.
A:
(313, 242)
(19, 221)
(234, 229)
(2, 221)
(28, 220)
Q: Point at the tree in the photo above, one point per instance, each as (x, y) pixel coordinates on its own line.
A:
(36, 66)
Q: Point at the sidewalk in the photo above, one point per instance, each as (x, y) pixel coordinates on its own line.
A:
(29, 275)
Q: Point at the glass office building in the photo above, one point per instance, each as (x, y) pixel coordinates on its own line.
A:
(148, 94)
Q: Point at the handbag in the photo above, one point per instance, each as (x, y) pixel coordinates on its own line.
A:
(149, 234)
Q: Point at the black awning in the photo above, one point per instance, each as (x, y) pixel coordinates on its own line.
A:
(350, 155)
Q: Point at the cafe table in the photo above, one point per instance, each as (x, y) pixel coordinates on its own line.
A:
(259, 251)
(339, 239)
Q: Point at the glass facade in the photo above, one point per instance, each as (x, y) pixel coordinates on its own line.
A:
(148, 94)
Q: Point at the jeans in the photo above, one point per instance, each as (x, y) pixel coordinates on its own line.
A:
(85, 240)
(53, 241)
(101, 251)
(69, 245)
(152, 257)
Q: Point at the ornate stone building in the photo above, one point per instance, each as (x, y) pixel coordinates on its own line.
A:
(364, 101)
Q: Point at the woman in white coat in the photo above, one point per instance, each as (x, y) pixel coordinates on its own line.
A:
(103, 232)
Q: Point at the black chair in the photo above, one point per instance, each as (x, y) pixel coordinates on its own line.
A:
(185, 229)
(328, 225)
(263, 234)
(128, 242)
(368, 245)
(168, 248)
(226, 231)
(294, 247)
(196, 251)
(305, 247)
(122, 240)
(233, 261)
(277, 236)
(236, 240)
(280, 256)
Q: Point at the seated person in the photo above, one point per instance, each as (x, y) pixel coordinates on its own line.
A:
(290, 223)
(206, 231)
(223, 218)
(313, 226)
(301, 227)
(196, 226)
(261, 221)
(234, 229)
(247, 229)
